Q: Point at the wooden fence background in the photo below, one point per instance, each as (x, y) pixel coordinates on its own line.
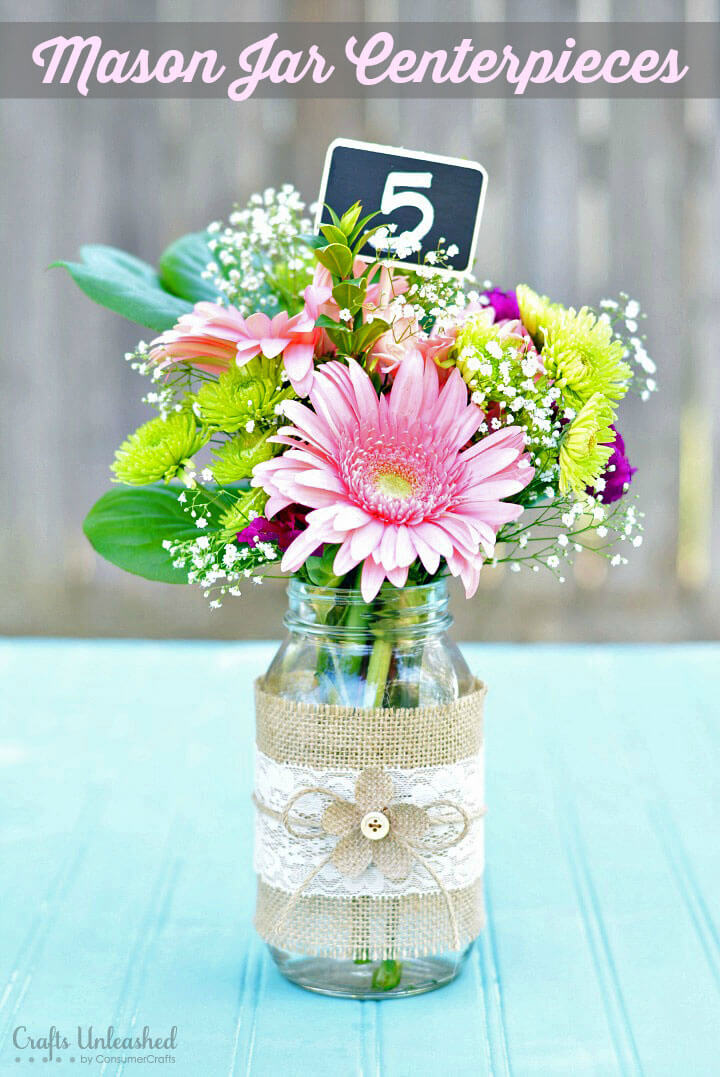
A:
(585, 199)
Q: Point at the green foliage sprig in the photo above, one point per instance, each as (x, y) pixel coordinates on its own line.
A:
(346, 237)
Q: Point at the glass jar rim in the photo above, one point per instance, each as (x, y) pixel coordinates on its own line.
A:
(412, 612)
(438, 585)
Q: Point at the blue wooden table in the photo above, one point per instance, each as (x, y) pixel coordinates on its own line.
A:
(126, 886)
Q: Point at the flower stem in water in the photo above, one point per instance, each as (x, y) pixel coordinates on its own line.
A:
(387, 975)
(377, 672)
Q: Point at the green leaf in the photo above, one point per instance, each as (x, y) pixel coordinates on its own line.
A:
(333, 215)
(361, 224)
(365, 238)
(127, 285)
(333, 234)
(350, 296)
(181, 267)
(319, 570)
(324, 321)
(342, 339)
(128, 525)
(350, 218)
(367, 334)
(336, 258)
(313, 241)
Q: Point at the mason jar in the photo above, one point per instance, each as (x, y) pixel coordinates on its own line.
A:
(341, 658)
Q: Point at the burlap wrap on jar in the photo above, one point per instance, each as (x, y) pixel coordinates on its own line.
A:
(369, 830)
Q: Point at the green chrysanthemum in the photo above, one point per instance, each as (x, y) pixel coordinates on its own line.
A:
(475, 334)
(480, 350)
(244, 394)
(583, 357)
(236, 459)
(246, 507)
(159, 449)
(506, 379)
(537, 312)
(586, 446)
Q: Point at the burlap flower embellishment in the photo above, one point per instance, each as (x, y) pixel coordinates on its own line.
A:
(373, 829)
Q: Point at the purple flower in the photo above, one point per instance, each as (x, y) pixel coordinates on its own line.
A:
(282, 531)
(618, 473)
(504, 304)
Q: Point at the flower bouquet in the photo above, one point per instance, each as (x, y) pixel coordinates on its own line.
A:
(372, 429)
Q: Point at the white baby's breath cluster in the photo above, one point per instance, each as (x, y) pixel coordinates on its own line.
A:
(508, 372)
(441, 296)
(218, 566)
(387, 244)
(549, 535)
(170, 385)
(260, 254)
(523, 401)
(139, 361)
(624, 315)
(214, 561)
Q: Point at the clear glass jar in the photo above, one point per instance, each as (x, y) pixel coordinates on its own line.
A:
(393, 652)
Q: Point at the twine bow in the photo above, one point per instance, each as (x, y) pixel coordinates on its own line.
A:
(405, 830)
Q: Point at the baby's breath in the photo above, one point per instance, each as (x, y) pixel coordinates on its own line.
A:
(625, 316)
(213, 559)
(550, 534)
(260, 260)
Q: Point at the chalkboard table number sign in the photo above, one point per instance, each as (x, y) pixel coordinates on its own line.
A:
(423, 199)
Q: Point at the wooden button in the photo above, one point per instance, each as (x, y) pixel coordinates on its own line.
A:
(375, 825)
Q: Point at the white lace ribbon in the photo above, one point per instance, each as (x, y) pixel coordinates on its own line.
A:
(284, 862)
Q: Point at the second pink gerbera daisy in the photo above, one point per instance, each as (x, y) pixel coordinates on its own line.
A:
(389, 480)
(212, 337)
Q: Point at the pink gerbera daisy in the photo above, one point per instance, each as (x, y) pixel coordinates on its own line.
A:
(212, 337)
(389, 479)
(206, 337)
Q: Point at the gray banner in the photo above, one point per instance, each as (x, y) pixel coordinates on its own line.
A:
(440, 60)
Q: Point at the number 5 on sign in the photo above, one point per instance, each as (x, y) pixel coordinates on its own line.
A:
(393, 199)
(423, 200)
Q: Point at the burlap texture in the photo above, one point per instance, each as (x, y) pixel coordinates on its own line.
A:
(332, 737)
(375, 928)
(328, 736)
